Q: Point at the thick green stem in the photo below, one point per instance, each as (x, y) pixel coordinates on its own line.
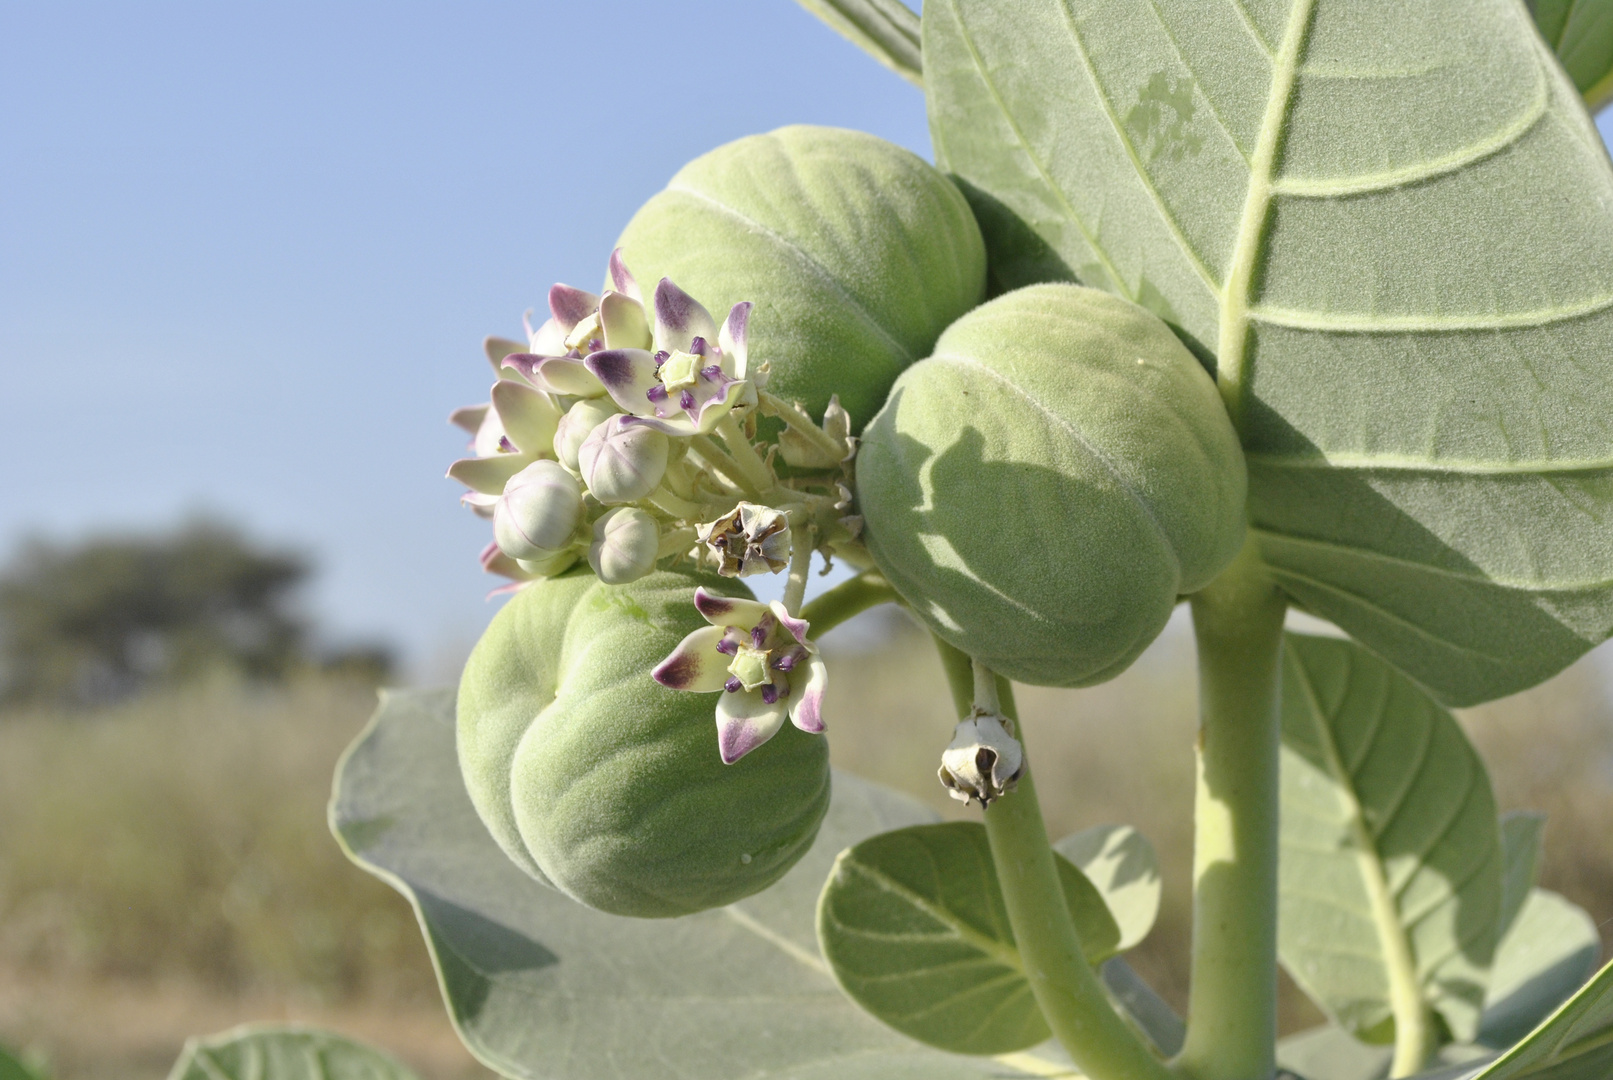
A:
(755, 474)
(1232, 1005)
(1068, 991)
(853, 597)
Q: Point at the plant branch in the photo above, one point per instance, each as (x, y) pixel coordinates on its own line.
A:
(802, 424)
(800, 566)
(754, 473)
(1232, 1004)
(866, 590)
(1068, 991)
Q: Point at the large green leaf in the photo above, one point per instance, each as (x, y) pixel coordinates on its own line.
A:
(1121, 863)
(1546, 955)
(913, 925)
(1576, 1043)
(1390, 879)
(1581, 32)
(539, 986)
(1389, 227)
(1522, 833)
(886, 29)
(291, 1052)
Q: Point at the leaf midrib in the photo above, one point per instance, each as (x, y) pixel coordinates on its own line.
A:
(1405, 991)
(1249, 246)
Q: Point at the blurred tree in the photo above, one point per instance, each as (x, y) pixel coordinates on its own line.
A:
(111, 616)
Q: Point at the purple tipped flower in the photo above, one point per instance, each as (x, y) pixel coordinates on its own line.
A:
(755, 653)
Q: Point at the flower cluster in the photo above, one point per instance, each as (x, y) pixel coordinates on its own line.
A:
(625, 431)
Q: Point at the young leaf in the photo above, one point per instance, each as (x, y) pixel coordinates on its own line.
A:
(1396, 242)
(1391, 852)
(539, 986)
(913, 926)
(291, 1052)
(1521, 832)
(1547, 953)
(1121, 863)
(885, 29)
(1581, 33)
(1576, 1043)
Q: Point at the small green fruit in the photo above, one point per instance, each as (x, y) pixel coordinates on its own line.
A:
(607, 785)
(1045, 486)
(856, 253)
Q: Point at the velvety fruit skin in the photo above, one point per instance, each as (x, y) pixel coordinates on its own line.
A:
(598, 780)
(1045, 486)
(856, 253)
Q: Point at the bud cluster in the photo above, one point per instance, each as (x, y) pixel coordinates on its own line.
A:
(626, 432)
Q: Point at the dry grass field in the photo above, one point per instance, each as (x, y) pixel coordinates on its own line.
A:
(165, 868)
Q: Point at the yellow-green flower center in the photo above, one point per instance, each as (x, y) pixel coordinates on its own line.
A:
(680, 370)
(750, 667)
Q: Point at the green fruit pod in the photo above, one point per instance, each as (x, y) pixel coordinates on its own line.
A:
(601, 782)
(856, 253)
(1044, 487)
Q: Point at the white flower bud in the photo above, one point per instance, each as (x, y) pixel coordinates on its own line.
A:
(538, 512)
(558, 563)
(627, 542)
(622, 460)
(983, 762)
(578, 423)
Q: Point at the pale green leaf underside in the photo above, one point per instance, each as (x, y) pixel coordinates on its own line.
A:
(542, 988)
(1575, 1043)
(887, 30)
(913, 925)
(1581, 33)
(1522, 834)
(1390, 877)
(1393, 224)
(1121, 864)
(1546, 955)
(289, 1052)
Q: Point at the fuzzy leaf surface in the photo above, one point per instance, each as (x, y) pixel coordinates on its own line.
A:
(914, 928)
(1547, 953)
(1391, 867)
(1388, 227)
(542, 988)
(291, 1052)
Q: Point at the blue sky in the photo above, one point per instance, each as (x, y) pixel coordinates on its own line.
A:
(248, 251)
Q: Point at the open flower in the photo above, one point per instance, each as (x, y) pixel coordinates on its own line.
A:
(690, 376)
(759, 656)
(514, 429)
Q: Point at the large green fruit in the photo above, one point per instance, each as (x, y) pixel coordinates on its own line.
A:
(596, 779)
(1045, 486)
(856, 253)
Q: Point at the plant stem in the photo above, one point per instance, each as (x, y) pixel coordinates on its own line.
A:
(1070, 995)
(1232, 1004)
(753, 470)
(716, 462)
(866, 590)
(800, 565)
(804, 425)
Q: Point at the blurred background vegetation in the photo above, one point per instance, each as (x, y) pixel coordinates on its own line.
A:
(169, 732)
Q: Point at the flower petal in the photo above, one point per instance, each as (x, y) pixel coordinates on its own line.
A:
(495, 561)
(797, 627)
(488, 475)
(744, 722)
(470, 417)
(679, 319)
(710, 412)
(498, 348)
(624, 323)
(622, 279)
(571, 306)
(729, 610)
(529, 417)
(547, 340)
(480, 502)
(695, 665)
(806, 704)
(561, 375)
(732, 339)
(627, 375)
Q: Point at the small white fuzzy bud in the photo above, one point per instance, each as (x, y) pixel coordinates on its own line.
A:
(578, 423)
(622, 460)
(627, 541)
(538, 512)
(983, 761)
